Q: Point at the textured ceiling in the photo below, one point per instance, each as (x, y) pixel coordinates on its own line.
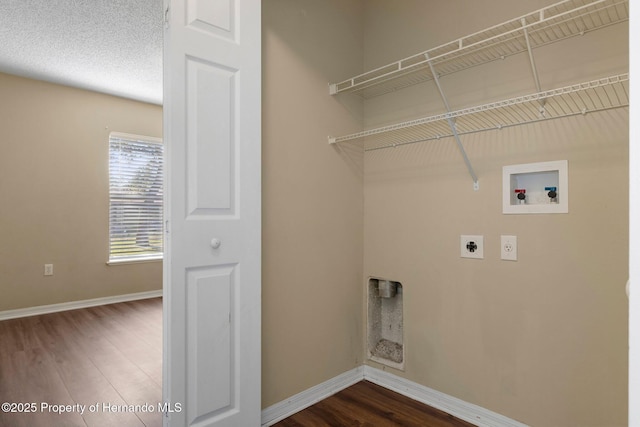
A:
(110, 46)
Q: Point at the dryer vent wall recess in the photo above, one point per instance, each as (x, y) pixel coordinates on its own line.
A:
(385, 324)
(536, 188)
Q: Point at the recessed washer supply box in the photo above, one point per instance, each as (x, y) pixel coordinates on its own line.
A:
(545, 187)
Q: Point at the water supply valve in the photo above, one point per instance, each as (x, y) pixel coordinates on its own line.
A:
(552, 193)
(521, 195)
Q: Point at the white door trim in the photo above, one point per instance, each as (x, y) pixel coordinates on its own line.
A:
(633, 287)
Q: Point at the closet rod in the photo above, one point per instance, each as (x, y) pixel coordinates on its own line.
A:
(470, 132)
(548, 25)
(582, 98)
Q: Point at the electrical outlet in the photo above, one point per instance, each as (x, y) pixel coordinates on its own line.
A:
(509, 248)
(48, 269)
(472, 246)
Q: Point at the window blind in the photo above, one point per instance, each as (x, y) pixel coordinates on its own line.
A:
(135, 197)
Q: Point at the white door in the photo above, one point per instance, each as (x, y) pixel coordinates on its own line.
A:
(212, 252)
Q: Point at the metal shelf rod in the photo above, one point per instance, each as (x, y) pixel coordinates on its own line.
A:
(551, 24)
(595, 95)
(470, 132)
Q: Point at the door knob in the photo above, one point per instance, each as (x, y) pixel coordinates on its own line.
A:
(215, 243)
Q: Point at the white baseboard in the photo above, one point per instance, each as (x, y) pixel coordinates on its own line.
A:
(302, 400)
(458, 408)
(469, 412)
(73, 305)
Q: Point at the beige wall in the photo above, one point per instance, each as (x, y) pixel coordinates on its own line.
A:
(312, 197)
(542, 340)
(54, 195)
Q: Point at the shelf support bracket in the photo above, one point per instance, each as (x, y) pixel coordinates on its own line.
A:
(532, 62)
(452, 125)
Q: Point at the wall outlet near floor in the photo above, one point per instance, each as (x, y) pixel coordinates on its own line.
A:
(509, 248)
(472, 246)
(48, 269)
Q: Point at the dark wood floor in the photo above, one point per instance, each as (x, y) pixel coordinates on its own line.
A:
(107, 355)
(368, 405)
(112, 356)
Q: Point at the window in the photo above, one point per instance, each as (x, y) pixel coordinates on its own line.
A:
(135, 197)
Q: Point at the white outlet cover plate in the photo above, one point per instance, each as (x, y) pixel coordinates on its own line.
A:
(466, 240)
(48, 269)
(509, 248)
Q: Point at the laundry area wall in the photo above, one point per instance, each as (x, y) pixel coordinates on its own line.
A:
(541, 340)
(312, 323)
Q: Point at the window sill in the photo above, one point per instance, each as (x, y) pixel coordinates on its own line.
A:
(134, 260)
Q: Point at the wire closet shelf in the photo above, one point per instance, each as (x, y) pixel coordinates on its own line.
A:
(542, 27)
(578, 99)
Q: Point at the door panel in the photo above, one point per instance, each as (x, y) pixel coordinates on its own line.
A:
(211, 144)
(210, 362)
(214, 16)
